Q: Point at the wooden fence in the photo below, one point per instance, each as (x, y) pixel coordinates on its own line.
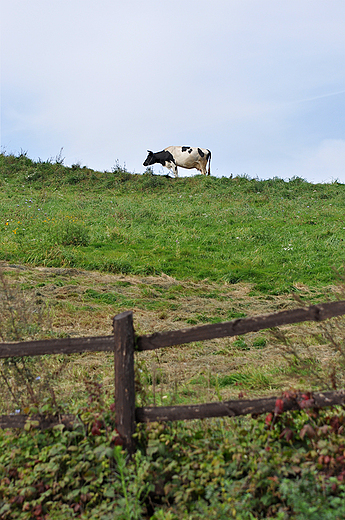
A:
(124, 343)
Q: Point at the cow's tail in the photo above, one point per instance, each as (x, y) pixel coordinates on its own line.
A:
(209, 162)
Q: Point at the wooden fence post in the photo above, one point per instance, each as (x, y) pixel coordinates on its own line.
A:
(124, 378)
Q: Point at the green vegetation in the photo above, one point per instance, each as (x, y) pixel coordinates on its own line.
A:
(231, 468)
(271, 233)
(178, 252)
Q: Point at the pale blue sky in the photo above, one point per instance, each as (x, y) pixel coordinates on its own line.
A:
(261, 83)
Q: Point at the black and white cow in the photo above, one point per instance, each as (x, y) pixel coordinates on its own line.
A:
(183, 156)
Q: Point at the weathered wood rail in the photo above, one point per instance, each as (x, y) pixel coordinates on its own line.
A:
(237, 407)
(57, 346)
(124, 342)
(240, 326)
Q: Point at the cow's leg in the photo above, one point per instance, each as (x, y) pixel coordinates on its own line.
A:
(208, 160)
(172, 167)
(202, 169)
(201, 166)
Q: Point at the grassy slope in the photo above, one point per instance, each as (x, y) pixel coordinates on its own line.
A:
(289, 234)
(228, 248)
(273, 234)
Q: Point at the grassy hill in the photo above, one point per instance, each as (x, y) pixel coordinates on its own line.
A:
(273, 234)
(79, 246)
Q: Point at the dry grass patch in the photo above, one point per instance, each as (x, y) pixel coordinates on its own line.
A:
(83, 304)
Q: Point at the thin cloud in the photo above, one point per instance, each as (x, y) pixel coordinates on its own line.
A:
(322, 96)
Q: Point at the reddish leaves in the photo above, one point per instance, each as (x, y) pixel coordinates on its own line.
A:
(278, 410)
(307, 401)
(19, 499)
(336, 424)
(308, 431)
(37, 511)
(279, 407)
(96, 427)
(117, 440)
(268, 419)
(287, 433)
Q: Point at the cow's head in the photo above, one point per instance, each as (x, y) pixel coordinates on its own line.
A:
(150, 159)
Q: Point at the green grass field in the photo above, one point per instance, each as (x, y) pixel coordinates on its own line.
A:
(273, 234)
(78, 247)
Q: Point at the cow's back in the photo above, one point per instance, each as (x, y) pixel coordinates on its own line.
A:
(187, 156)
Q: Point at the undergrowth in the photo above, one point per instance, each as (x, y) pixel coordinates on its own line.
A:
(230, 468)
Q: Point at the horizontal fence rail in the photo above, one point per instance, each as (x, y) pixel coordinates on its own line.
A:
(43, 422)
(57, 346)
(240, 326)
(236, 327)
(189, 412)
(236, 407)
